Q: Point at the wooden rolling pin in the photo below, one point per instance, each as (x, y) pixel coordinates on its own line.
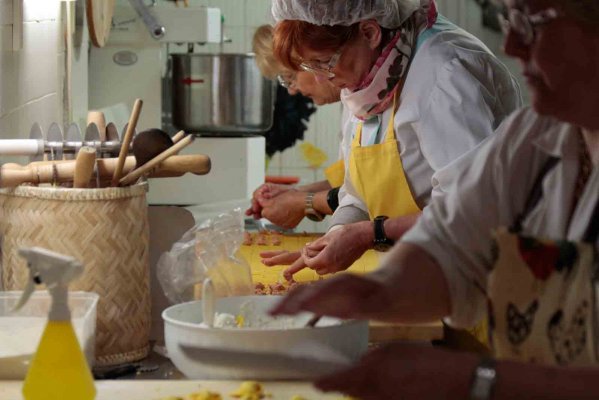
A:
(63, 171)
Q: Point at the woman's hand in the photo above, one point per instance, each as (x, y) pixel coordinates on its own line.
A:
(338, 249)
(285, 209)
(342, 296)
(402, 371)
(262, 193)
(279, 257)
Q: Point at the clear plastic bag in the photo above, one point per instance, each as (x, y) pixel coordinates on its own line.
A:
(208, 250)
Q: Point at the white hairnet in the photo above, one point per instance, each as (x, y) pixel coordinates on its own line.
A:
(388, 13)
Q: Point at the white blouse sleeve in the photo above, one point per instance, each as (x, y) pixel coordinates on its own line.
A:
(456, 228)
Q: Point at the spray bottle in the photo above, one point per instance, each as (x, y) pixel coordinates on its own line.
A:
(58, 370)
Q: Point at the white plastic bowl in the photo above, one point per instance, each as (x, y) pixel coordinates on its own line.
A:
(182, 326)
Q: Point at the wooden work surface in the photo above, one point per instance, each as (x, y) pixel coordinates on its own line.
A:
(160, 389)
(379, 332)
(268, 275)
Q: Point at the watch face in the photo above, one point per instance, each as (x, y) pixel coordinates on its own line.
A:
(382, 246)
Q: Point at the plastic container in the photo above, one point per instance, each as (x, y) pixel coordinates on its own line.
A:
(183, 325)
(20, 331)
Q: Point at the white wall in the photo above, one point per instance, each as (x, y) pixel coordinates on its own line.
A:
(30, 78)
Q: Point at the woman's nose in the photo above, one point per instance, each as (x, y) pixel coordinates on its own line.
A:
(513, 46)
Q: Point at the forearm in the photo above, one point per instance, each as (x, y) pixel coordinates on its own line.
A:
(416, 284)
(315, 187)
(396, 227)
(520, 381)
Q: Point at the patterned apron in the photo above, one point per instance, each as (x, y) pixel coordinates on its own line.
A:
(542, 294)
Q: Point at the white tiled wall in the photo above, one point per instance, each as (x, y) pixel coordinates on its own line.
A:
(31, 78)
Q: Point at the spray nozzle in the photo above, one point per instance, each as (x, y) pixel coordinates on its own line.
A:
(54, 270)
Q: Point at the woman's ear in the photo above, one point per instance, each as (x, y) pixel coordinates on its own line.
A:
(371, 32)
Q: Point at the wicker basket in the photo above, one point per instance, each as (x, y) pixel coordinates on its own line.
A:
(106, 229)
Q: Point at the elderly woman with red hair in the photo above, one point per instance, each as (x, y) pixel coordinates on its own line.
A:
(423, 92)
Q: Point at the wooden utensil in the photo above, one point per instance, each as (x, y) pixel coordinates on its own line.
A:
(127, 141)
(84, 167)
(64, 171)
(99, 19)
(138, 172)
(178, 136)
(97, 117)
(149, 143)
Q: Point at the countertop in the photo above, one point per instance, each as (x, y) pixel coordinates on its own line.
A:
(160, 389)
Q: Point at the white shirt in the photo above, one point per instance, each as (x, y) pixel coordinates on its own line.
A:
(455, 95)
(487, 189)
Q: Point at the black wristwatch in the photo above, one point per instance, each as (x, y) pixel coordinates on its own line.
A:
(333, 198)
(381, 241)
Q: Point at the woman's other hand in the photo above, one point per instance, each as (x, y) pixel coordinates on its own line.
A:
(402, 371)
(342, 296)
(338, 249)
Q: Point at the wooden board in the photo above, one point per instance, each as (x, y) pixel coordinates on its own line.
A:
(99, 20)
(379, 331)
(267, 275)
(159, 389)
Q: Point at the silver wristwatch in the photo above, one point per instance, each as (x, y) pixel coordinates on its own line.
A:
(309, 211)
(483, 380)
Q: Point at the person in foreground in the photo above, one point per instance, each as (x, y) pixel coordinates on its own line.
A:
(537, 177)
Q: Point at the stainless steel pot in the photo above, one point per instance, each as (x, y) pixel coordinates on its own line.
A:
(220, 93)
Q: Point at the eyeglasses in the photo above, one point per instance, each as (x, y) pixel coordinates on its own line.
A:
(287, 81)
(524, 25)
(323, 68)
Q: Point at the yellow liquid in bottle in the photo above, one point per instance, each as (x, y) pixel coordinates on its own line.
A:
(59, 370)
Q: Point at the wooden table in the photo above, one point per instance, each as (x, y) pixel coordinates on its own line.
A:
(379, 332)
(159, 389)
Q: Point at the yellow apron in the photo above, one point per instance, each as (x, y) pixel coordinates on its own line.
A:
(335, 173)
(377, 174)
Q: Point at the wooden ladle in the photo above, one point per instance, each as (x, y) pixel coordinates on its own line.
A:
(149, 143)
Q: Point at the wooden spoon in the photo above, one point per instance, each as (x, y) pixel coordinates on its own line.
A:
(138, 172)
(127, 141)
(149, 143)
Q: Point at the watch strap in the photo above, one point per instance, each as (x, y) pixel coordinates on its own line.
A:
(333, 198)
(309, 210)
